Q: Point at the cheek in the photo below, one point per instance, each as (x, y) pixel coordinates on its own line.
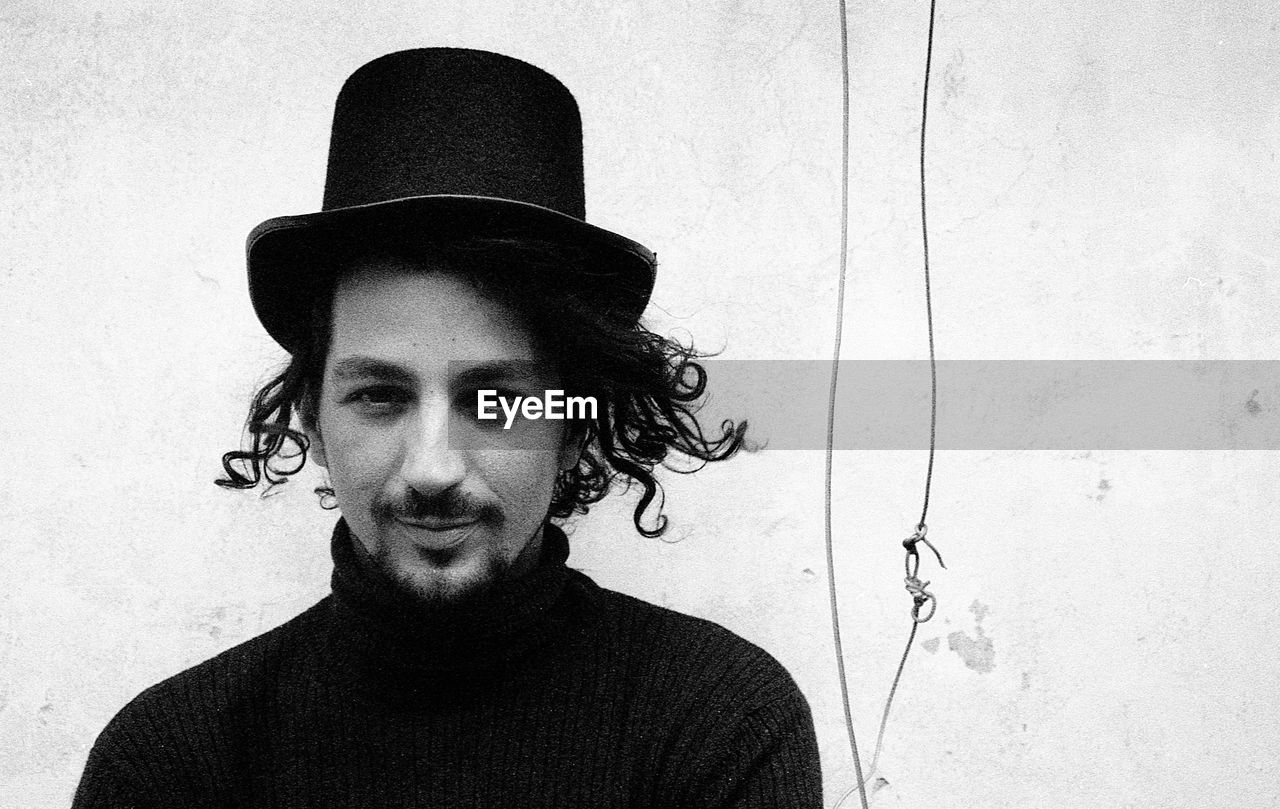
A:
(358, 459)
(524, 479)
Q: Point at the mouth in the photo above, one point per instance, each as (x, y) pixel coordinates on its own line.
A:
(438, 534)
(431, 524)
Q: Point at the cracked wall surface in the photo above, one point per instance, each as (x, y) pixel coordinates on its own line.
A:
(1103, 185)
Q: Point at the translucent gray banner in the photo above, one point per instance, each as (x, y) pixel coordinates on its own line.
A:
(1015, 404)
(985, 405)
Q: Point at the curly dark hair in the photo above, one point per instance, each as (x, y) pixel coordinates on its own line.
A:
(648, 387)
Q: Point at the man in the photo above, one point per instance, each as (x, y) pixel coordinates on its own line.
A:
(458, 660)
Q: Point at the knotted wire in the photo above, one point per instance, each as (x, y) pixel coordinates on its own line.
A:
(920, 595)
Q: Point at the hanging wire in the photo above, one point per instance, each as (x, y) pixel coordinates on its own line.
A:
(915, 587)
(928, 292)
(831, 399)
(919, 596)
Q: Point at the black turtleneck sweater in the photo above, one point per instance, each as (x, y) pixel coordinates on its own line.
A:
(549, 692)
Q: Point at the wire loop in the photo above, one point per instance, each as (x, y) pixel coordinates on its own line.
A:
(917, 588)
(919, 595)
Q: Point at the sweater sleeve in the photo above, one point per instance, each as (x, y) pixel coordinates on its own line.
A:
(769, 760)
(104, 786)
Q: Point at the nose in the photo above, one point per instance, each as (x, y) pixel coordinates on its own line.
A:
(429, 465)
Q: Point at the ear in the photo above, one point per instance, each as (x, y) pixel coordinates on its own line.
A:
(315, 445)
(575, 441)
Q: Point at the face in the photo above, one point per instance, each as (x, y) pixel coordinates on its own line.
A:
(444, 503)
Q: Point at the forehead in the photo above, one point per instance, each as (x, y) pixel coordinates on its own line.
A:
(391, 309)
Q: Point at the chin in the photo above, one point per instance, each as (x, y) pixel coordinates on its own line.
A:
(454, 582)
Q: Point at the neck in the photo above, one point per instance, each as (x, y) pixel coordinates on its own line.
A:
(376, 569)
(393, 642)
(529, 555)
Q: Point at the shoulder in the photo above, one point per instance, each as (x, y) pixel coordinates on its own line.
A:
(243, 668)
(692, 655)
(713, 715)
(202, 701)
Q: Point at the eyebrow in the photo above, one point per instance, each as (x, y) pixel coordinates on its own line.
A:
(489, 372)
(519, 371)
(352, 368)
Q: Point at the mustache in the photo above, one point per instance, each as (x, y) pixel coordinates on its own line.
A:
(450, 505)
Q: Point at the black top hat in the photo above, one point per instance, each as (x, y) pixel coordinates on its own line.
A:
(445, 140)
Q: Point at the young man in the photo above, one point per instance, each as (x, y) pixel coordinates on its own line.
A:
(458, 660)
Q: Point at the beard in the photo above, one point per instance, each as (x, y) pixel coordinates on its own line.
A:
(431, 584)
(431, 577)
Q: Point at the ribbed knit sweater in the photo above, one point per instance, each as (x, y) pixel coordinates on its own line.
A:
(549, 692)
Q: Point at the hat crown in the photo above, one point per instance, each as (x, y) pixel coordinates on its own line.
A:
(445, 143)
(455, 121)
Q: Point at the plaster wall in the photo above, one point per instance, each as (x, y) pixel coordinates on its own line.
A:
(1103, 186)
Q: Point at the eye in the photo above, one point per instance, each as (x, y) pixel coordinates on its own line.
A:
(378, 398)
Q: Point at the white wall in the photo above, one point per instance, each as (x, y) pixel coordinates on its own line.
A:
(1104, 184)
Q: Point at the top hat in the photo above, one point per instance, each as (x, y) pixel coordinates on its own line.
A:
(442, 141)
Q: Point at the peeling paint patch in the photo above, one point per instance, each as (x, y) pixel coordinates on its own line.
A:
(232, 620)
(931, 645)
(1252, 404)
(953, 76)
(208, 280)
(979, 610)
(977, 653)
(45, 711)
(210, 623)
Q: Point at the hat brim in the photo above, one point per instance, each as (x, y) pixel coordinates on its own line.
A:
(286, 271)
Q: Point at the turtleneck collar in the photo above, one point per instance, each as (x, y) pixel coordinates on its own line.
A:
(398, 644)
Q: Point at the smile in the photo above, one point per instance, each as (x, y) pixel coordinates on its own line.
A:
(439, 535)
(438, 525)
